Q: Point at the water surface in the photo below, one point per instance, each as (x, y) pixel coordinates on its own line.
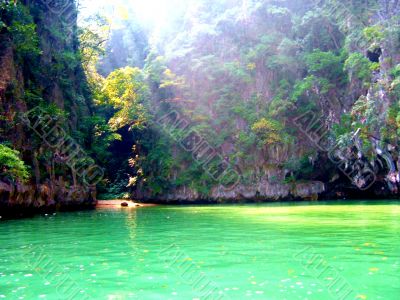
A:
(292, 251)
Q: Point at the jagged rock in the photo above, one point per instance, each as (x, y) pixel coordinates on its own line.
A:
(16, 199)
(261, 191)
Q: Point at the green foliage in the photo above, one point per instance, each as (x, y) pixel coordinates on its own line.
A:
(391, 131)
(374, 35)
(152, 162)
(237, 71)
(70, 59)
(127, 92)
(263, 48)
(19, 23)
(169, 79)
(301, 168)
(360, 67)
(343, 128)
(52, 110)
(325, 64)
(93, 37)
(316, 30)
(115, 190)
(302, 87)
(33, 97)
(102, 137)
(290, 180)
(25, 38)
(11, 165)
(395, 85)
(283, 103)
(246, 140)
(365, 117)
(155, 66)
(395, 71)
(268, 131)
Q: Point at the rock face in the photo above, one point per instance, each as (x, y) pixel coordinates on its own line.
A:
(17, 200)
(263, 191)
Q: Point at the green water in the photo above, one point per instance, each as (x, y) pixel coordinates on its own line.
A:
(210, 252)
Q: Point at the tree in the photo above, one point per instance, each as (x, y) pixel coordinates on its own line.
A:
(11, 165)
(269, 131)
(125, 89)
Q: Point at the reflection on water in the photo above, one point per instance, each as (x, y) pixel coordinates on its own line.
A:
(249, 251)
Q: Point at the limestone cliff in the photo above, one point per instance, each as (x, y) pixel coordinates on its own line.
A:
(288, 95)
(41, 73)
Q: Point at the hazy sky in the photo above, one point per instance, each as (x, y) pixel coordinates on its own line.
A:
(150, 13)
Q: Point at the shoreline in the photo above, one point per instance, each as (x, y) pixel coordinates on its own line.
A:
(118, 204)
(133, 204)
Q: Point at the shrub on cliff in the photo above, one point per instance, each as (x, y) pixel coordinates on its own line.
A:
(19, 23)
(11, 165)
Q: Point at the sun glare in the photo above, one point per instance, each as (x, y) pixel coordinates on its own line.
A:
(152, 13)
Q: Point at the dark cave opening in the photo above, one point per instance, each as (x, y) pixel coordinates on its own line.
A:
(374, 55)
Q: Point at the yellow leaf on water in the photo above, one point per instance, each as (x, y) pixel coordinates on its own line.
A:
(290, 272)
(363, 297)
(373, 269)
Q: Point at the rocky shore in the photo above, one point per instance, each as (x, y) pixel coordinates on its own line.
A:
(262, 191)
(19, 200)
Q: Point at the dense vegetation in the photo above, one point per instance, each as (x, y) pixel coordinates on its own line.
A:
(242, 74)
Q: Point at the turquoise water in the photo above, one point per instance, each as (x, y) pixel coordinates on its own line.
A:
(335, 251)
